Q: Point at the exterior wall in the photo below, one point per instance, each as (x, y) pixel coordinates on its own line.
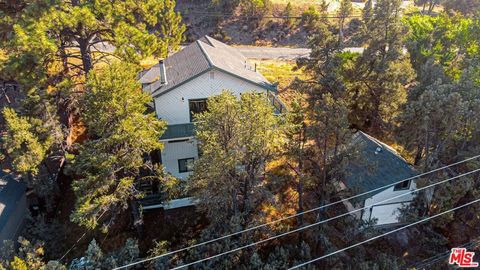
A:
(174, 110)
(173, 151)
(387, 212)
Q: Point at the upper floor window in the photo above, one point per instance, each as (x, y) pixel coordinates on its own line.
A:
(197, 106)
(402, 186)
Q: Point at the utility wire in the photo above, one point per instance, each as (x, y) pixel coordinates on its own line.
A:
(436, 258)
(79, 239)
(382, 235)
(320, 222)
(219, 14)
(305, 212)
(304, 227)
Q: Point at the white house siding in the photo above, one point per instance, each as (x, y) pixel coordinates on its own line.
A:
(173, 151)
(387, 212)
(175, 110)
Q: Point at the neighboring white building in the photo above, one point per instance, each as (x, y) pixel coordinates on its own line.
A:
(377, 165)
(180, 86)
(13, 207)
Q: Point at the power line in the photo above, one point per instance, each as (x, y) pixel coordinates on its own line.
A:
(318, 223)
(79, 239)
(382, 235)
(298, 229)
(302, 213)
(219, 14)
(436, 258)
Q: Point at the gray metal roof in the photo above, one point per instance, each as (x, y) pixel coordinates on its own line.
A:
(197, 58)
(376, 165)
(11, 192)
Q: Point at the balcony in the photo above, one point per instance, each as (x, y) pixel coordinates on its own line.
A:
(276, 103)
(178, 131)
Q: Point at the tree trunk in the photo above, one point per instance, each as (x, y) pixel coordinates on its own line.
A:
(86, 55)
(427, 149)
(418, 156)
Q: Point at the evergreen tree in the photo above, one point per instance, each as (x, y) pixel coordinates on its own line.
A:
(288, 14)
(50, 47)
(345, 10)
(114, 111)
(29, 142)
(443, 108)
(465, 7)
(28, 257)
(327, 102)
(237, 139)
(256, 10)
(427, 5)
(377, 81)
(70, 30)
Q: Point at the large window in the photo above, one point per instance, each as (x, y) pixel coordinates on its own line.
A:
(402, 186)
(185, 165)
(196, 106)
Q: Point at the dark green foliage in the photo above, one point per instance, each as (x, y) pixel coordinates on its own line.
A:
(237, 138)
(95, 258)
(114, 111)
(28, 257)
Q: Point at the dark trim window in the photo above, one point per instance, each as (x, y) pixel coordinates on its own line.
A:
(196, 106)
(185, 165)
(402, 186)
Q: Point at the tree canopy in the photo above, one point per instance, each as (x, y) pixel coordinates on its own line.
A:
(121, 135)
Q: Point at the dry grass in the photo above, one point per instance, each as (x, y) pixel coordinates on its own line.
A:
(282, 72)
(279, 71)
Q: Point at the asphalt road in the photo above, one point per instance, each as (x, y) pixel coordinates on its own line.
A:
(278, 53)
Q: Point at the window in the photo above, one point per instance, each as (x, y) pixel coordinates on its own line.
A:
(185, 165)
(196, 106)
(402, 186)
(212, 75)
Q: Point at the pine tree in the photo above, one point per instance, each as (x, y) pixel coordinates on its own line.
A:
(28, 142)
(114, 111)
(378, 79)
(345, 10)
(288, 14)
(72, 30)
(327, 102)
(50, 48)
(28, 256)
(237, 138)
(465, 7)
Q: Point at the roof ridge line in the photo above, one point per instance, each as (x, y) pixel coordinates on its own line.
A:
(209, 39)
(210, 63)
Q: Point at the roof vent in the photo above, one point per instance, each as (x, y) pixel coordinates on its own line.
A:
(163, 72)
(378, 150)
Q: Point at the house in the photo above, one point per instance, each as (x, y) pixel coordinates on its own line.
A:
(13, 207)
(180, 86)
(374, 166)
